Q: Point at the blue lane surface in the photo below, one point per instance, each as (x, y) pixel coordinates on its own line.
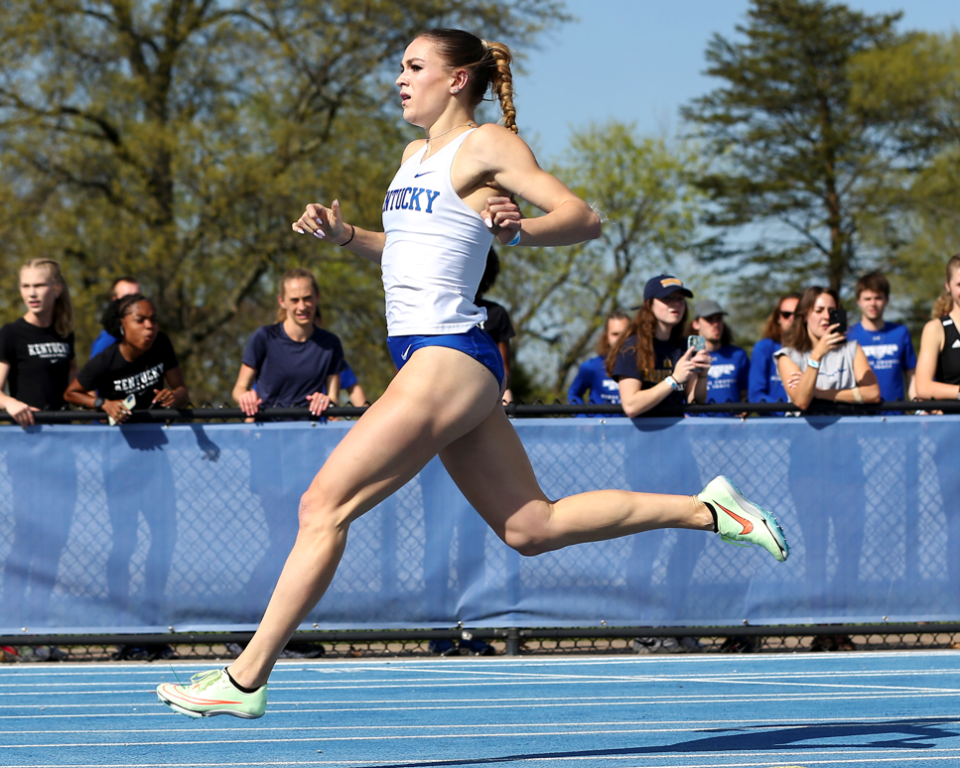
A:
(883, 709)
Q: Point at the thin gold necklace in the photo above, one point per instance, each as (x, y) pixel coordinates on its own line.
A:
(428, 139)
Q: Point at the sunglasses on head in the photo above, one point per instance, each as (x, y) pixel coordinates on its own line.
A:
(786, 315)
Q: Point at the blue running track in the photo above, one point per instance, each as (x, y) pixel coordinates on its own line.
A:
(847, 709)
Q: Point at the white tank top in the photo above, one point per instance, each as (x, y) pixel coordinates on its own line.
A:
(436, 249)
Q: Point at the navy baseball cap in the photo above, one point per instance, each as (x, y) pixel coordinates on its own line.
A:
(661, 286)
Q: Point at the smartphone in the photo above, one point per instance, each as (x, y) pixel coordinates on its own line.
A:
(128, 402)
(696, 342)
(839, 317)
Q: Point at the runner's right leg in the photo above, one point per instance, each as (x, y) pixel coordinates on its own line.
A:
(438, 396)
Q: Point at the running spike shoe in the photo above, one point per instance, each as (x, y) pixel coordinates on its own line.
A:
(742, 522)
(213, 693)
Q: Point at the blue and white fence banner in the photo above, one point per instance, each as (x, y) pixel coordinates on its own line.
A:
(145, 527)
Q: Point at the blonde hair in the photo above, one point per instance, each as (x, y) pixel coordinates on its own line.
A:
(298, 273)
(488, 63)
(63, 307)
(944, 303)
(942, 306)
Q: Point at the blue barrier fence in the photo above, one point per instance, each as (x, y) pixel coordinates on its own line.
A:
(145, 527)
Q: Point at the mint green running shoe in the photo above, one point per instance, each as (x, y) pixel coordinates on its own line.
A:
(213, 693)
(742, 522)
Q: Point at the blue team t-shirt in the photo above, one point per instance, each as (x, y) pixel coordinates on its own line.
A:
(890, 353)
(593, 376)
(289, 371)
(764, 384)
(728, 376)
(100, 343)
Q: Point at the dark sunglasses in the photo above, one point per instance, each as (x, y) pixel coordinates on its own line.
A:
(786, 315)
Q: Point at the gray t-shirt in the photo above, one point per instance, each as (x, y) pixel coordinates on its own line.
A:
(836, 367)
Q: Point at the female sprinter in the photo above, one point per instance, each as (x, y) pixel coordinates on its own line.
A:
(446, 204)
(37, 360)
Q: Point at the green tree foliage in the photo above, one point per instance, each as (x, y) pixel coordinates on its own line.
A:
(795, 157)
(918, 82)
(176, 140)
(559, 297)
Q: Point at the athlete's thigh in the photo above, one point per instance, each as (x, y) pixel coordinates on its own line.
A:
(491, 468)
(438, 396)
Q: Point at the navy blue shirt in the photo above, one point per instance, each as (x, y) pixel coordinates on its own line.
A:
(593, 377)
(890, 353)
(289, 371)
(665, 353)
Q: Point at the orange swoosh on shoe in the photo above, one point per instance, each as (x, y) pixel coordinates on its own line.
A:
(744, 523)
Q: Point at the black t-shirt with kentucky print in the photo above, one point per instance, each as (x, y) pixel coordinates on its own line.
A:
(39, 360)
(114, 378)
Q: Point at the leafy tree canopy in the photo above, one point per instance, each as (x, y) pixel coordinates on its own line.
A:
(176, 140)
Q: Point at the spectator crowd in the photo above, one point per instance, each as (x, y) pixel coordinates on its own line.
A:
(661, 353)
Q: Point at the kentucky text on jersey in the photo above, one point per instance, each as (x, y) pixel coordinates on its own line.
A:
(140, 381)
(49, 349)
(408, 199)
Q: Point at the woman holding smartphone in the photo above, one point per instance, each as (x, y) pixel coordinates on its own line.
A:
(649, 363)
(818, 365)
(653, 367)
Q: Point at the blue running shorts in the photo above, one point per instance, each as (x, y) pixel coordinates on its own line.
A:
(475, 342)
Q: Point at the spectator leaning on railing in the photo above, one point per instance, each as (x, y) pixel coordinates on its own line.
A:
(817, 362)
(819, 365)
(887, 345)
(649, 363)
(729, 365)
(134, 371)
(592, 376)
(764, 385)
(135, 366)
(294, 363)
(37, 361)
(938, 366)
(938, 378)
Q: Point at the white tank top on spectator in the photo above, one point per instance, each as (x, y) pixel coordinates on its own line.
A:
(836, 367)
(436, 249)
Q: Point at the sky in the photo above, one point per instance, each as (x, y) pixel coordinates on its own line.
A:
(640, 60)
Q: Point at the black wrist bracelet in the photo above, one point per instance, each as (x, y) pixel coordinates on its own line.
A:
(350, 239)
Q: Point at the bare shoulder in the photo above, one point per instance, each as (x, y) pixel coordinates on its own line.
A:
(411, 149)
(932, 331)
(494, 142)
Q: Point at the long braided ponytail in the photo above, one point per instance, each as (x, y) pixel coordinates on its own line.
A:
(487, 62)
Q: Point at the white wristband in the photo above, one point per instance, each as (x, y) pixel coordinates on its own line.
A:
(516, 239)
(856, 395)
(675, 385)
(815, 364)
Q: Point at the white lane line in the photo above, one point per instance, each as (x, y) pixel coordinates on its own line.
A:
(385, 738)
(421, 684)
(699, 726)
(768, 759)
(586, 701)
(277, 708)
